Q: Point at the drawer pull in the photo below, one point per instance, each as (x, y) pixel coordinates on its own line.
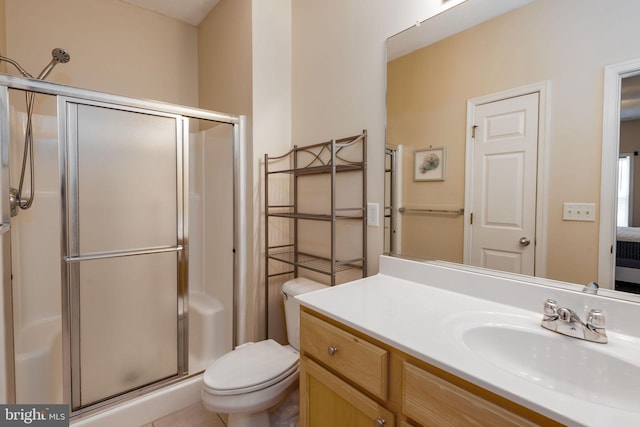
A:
(380, 422)
(332, 350)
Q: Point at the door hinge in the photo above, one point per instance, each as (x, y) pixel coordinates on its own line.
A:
(471, 218)
(473, 131)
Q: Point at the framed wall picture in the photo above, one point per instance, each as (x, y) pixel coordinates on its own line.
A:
(429, 165)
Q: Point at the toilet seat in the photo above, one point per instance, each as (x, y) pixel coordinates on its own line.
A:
(251, 367)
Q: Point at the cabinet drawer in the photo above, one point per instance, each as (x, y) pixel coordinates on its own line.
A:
(363, 363)
(433, 401)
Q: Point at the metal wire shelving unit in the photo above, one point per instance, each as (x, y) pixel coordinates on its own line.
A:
(338, 157)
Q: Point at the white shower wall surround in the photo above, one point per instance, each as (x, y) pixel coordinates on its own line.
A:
(212, 166)
(40, 239)
(211, 246)
(35, 242)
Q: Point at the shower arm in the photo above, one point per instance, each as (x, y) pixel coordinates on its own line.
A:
(46, 70)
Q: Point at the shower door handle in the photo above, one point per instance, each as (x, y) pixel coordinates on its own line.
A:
(104, 255)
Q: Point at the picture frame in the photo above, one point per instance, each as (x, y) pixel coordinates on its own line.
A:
(429, 164)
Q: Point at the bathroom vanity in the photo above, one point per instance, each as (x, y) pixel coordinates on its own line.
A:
(432, 344)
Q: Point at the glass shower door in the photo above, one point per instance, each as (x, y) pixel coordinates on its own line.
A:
(125, 264)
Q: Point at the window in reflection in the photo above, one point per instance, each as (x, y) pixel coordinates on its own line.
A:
(625, 183)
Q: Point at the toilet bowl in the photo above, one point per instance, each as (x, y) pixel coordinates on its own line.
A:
(253, 378)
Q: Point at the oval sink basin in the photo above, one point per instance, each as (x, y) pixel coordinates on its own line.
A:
(606, 374)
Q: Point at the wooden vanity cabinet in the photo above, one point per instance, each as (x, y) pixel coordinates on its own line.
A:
(330, 401)
(348, 379)
(432, 400)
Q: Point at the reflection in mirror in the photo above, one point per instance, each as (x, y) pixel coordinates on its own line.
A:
(554, 50)
(627, 265)
(391, 171)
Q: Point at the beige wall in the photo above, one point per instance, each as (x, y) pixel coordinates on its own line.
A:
(245, 68)
(114, 47)
(546, 40)
(338, 81)
(224, 54)
(271, 51)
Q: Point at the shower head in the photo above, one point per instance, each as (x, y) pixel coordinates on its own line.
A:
(58, 56)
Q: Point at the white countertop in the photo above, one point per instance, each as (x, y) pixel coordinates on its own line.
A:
(412, 316)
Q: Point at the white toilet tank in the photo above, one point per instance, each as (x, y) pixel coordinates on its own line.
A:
(291, 288)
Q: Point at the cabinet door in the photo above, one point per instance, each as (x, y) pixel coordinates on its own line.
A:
(326, 400)
(433, 401)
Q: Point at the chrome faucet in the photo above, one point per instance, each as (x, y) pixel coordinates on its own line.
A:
(565, 321)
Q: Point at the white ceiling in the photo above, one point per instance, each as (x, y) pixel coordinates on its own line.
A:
(189, 11)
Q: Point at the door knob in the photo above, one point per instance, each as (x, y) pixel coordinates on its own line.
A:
(524, 241)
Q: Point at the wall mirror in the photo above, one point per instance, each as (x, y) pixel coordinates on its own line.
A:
(482, 71)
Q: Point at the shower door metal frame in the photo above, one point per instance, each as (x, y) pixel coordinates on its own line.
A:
(5, 236)
(242, 187)
(68, 141)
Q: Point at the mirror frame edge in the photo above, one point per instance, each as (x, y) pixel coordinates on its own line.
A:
(613, 75)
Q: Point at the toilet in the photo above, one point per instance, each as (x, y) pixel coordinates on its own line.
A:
(248, 381)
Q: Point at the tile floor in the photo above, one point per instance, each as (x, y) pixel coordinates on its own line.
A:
(192, 416)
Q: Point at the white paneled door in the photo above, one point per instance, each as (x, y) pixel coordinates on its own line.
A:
(504, 184)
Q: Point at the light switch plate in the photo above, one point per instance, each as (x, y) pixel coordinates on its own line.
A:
(373, 213)
(579, 212)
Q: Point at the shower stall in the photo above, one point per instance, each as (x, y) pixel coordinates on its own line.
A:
(125, 275)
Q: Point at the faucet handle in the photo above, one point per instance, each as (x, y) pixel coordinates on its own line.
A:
(596, 319)
(550, 307)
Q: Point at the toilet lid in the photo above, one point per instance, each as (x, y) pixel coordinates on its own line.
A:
(250, 367)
